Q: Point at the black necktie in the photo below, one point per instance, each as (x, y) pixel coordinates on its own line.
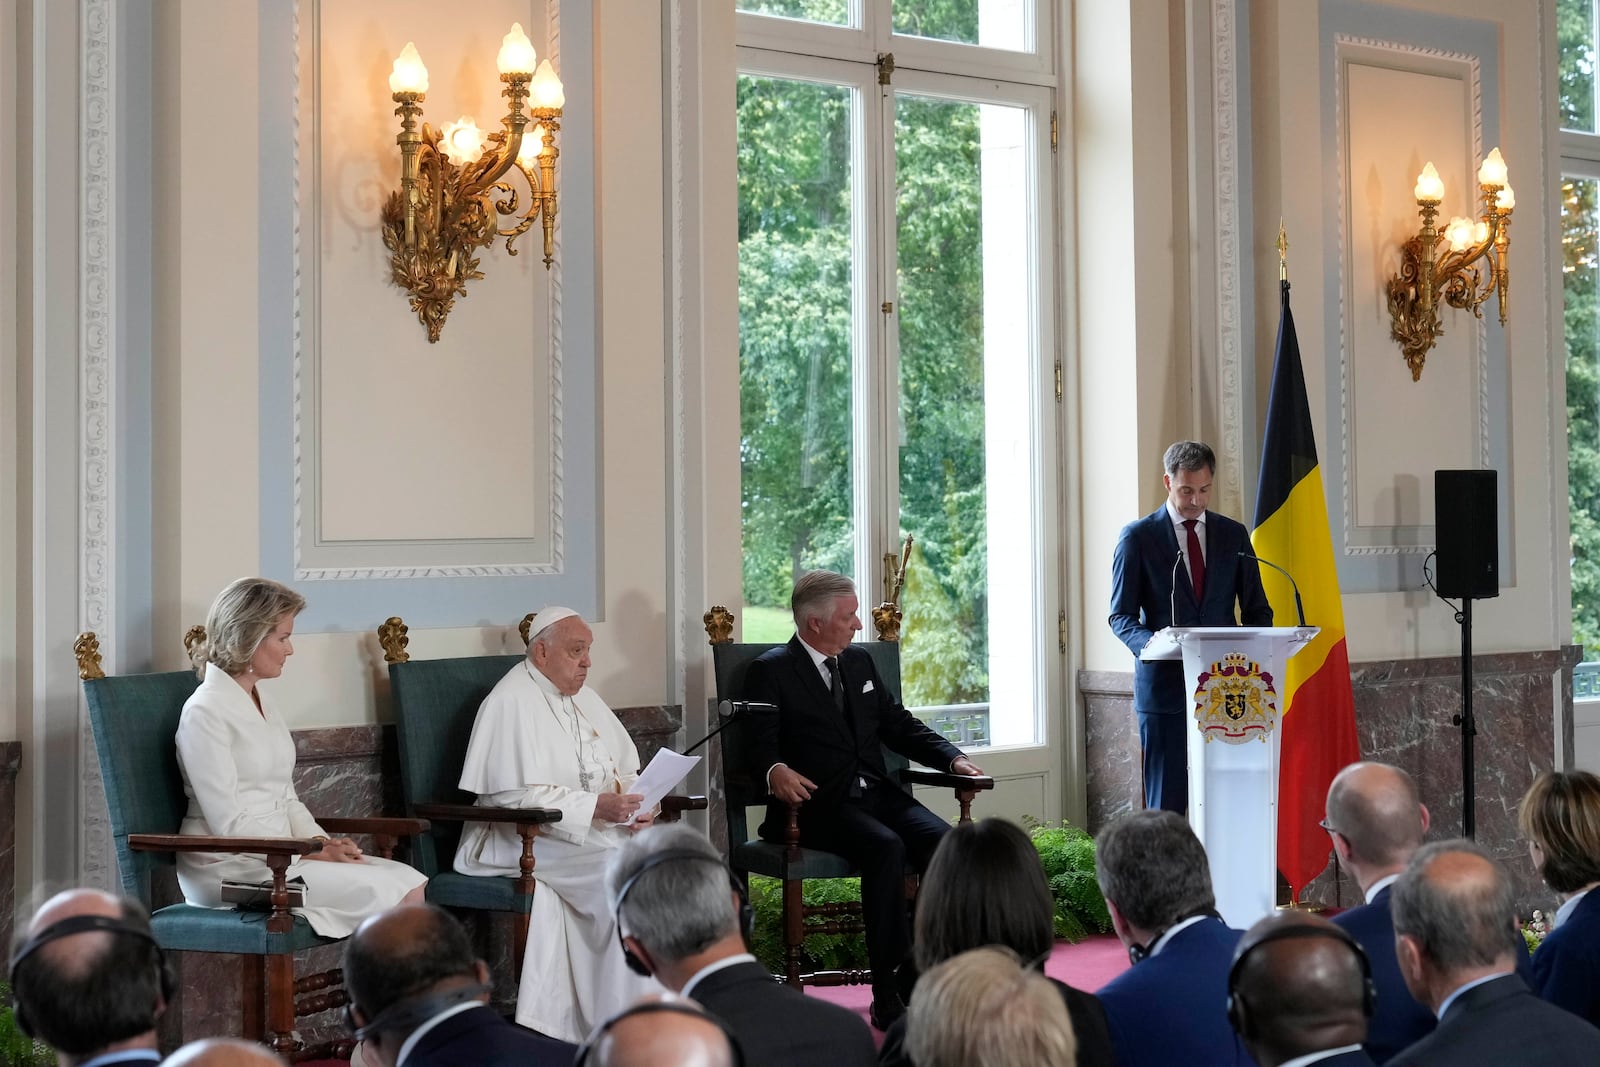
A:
(835, 683)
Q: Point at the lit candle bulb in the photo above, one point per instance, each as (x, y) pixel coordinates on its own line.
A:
(546, 88)
(1480, 232)
(516, 52)
(462, 141)
(1505, 199)
(1458, 233)
(1493, 171)
(409, 75)
(1429, 187)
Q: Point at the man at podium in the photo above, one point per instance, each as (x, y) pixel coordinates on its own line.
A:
(1181, 565)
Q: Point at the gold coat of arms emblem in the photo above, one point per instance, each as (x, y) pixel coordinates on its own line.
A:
(1235, 701)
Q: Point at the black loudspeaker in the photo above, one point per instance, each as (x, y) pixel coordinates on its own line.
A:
(1466, 516)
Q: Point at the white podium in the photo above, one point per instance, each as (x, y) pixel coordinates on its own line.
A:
(1232, 678)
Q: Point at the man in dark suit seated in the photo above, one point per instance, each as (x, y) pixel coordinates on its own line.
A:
(1178, 566)
(419, 997)
(89, 980)
(1377, 823)
(1169, 1007)
(823, 750)
(680, 917)
(1453, 907)
(1300, 991)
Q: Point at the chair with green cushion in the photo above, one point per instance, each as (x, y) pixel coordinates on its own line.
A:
(745, 786)
(435, 705)
(135, 723)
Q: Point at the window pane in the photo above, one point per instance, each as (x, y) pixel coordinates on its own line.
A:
(795, 279)
(833, 12)
(966, 358)
(1575, 37)
(991, 23)
(1580, 233)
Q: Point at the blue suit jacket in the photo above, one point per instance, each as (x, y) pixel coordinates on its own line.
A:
(1143, 599)
(1566, 968)
(1502, 1023)
(1398, 1021)
(1172, 1008)
(481, 1037)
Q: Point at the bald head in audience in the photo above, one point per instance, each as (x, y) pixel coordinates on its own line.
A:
(659, 1031)
(222, 1052)
(87, 976)
(1376, 820)
(1298, 986)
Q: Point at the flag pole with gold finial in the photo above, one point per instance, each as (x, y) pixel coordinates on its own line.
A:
(1283, 252)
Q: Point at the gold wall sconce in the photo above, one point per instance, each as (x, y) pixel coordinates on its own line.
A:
(1429, 274)
(453, 182)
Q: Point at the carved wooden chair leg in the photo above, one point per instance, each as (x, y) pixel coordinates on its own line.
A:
(280, 1002)
(794, 902)
(525, 886)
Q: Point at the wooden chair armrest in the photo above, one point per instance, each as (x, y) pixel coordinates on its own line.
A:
(270, 846)
(375, 825)
(962, 782)
(676, 803)
(475, 813)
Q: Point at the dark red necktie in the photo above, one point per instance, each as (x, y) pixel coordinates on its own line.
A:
(1197, 561)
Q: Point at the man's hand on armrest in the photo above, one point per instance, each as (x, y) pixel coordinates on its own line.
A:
(788, 785)
(962, 765)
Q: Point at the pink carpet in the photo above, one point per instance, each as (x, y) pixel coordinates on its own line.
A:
(1088, 965)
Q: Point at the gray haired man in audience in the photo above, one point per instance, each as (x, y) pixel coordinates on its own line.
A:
(1453, 908)
(680, 915)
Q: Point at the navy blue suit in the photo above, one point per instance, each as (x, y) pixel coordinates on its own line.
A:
(480, 1036)
(1566, 968)
(1171, 1008)
(1501, 1022)
(1398, 1021)
(1143, 601)
(881, 830)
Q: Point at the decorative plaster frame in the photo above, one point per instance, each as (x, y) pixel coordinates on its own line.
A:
(556, 563)
(1228, 262)
(1344, 45)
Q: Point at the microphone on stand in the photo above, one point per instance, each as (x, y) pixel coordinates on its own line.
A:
(1172, 608)
(1299, 609)
(734, 708)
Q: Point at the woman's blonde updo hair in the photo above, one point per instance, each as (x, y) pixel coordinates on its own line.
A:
(240, 619)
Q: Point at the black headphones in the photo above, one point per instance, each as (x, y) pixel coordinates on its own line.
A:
(655, 1006)
(747, 913)
(1138, 952)
(1239, 1006)
(83, 924)
(408, 1013)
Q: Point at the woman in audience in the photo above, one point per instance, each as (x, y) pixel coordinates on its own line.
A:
(237, 760)
(1560, 817)
(983, 1008)
(985, 886)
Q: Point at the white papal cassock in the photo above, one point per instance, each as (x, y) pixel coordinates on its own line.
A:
(533, 747)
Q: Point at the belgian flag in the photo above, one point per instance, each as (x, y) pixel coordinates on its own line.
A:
(1315, 699)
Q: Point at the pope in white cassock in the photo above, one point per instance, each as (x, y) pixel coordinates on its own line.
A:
(544, 739)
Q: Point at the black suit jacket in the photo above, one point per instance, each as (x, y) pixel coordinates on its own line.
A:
(479, 1036)
(780, 1026)
(810, 735)
(1502, 1023)
(1143, 599)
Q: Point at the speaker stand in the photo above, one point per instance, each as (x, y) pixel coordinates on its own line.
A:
(1469, 725)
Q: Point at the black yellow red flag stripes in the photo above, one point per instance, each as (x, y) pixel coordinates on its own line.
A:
(1291, 530)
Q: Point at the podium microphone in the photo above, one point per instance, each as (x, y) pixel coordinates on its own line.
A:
(1172, 608)
(734, 708)
(1299, 609)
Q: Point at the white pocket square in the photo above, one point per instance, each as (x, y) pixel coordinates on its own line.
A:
(868, 687)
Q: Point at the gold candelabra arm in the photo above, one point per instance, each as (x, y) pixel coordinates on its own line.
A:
(1502, 261)
(410, 141)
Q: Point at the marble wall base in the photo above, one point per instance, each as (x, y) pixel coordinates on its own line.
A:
(340, 771)
(1521, 701)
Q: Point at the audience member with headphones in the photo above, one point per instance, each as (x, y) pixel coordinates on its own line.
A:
(419, 997)
(1301, 989)
(89, 980)
(684, 918)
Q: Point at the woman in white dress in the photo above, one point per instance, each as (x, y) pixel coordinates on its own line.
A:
(237, 759)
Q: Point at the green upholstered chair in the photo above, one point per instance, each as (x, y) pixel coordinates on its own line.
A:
(745, 786)
(435, 705)
(135, 723)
